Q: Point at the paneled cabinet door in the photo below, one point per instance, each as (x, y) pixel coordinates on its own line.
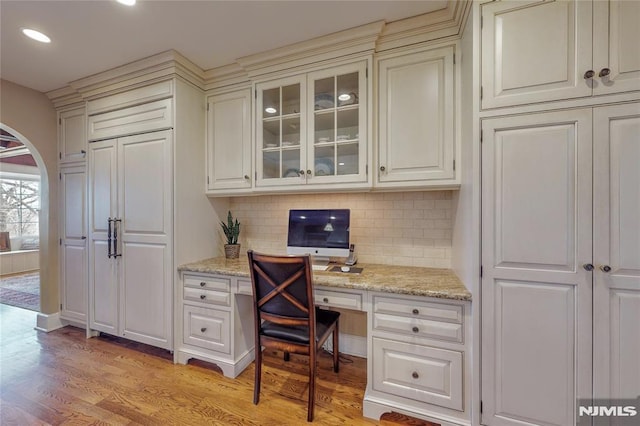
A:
(536, 295)
(73, 232)
(72, 135)
(535, 51)
(616, 56)
(229, 142)
(617, 252)
(416, 137)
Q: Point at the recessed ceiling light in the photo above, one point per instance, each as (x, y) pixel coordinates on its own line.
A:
(127, 2)
(36, 35)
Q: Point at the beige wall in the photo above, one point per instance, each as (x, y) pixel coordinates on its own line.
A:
(30, 115)
(399, 228)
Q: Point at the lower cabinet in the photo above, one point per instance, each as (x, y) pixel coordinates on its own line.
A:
(418, 364)
(215, 322)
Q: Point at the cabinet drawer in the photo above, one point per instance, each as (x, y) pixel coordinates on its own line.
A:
(418, 309)
(208, 283)
(421, 373)
(338, 299)
(245, 287)
(417, 327)
(207, 296)
(139, 119)
(207, 328)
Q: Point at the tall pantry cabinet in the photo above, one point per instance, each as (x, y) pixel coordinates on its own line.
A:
(560, 136)
(145, 213)
(72, 148)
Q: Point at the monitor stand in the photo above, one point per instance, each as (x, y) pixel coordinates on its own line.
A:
(319, 263)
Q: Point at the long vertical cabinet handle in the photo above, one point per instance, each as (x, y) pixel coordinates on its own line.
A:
(116, 225)
(109, 221)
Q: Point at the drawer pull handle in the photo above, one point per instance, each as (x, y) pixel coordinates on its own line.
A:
(325, 300)
(415, 312)
(415, 375)
(203, 296)
(415, 329)
(202, 283)
(203, 329)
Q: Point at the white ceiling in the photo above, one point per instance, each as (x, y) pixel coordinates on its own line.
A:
(93, 36)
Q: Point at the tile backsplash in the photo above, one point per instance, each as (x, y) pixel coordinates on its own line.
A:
(400, 228)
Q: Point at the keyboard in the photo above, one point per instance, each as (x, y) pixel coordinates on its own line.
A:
(319, 267)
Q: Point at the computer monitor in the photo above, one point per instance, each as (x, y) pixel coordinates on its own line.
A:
(322, 233)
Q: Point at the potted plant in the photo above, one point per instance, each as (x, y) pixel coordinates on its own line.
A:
(231, 231)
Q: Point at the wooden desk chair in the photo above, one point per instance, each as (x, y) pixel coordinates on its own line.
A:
(285, 314)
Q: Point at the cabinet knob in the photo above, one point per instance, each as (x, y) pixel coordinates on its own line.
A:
(589, 74)
(203, 296)
(604, 72)
(203, 329)
(83, 237)
(415, 312)
(83, 152)
(301, 172)
(383, 168)
(309, 172)
(325, 300)
(588, 267)
(415, 329)
(247, 177)
(415, 375)
(605, 268)
(202, 283)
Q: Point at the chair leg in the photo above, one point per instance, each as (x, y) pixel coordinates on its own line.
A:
(312, 388)
(256, 382)
(286, 356)
(336, 350)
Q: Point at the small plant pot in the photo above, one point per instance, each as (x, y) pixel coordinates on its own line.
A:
(232, 251)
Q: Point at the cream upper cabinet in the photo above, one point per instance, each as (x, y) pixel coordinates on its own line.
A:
(229, 142)
(585, 48)
(72, 135)
(416, 127)
(311, 129)
(616, 55)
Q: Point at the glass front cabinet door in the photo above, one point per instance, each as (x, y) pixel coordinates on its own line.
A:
(311, 129)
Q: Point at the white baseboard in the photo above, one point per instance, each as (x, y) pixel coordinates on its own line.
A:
(48, 322)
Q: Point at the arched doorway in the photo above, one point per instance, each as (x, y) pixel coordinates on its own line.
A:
(23, 179)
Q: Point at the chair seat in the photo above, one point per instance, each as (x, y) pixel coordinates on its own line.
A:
(324, 320)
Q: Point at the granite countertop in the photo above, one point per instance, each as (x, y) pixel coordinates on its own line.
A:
(431, 282)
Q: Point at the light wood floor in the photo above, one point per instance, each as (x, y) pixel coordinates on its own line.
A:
(62, 378)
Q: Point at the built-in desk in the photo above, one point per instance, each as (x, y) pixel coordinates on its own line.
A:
(418, 330)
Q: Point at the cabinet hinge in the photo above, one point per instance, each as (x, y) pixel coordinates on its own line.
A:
(59, 120)
(366, 169)
(366, 73)
(207, 106)
(454, 165)
(60, 241)
(481, 92)
(61, 306)
(481, 21)
(481, 271)
(207, 180)
(60, 176)
(60, 155)
(255, 174)
(480, 406)
(481, 136)
(454, 59)
(255, 94)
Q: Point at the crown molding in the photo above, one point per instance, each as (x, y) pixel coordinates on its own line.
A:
(65, 97)
(331, 46)
(431, 26)
(230, 76)
(135, 74)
